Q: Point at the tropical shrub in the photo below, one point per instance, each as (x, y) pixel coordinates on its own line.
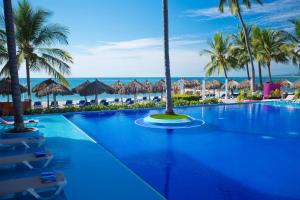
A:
(296, 94)
(275, 94)
(187, 97)
(241, 96)
(255, 96)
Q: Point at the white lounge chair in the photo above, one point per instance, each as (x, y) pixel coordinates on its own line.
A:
(26, 159)
(5, 123)
(32, 185)
(25, 141)
(290, 97)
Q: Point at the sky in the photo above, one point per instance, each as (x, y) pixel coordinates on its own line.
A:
(123, 38)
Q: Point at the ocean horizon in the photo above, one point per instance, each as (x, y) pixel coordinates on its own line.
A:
(73, 82)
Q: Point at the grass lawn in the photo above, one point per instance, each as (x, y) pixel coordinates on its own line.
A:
(168, 117)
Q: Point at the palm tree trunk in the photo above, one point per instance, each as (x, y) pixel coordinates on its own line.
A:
(247, 45)
(226, 83)
(169, 106)
(13, 69)
(247, 68)
(259, 74)
(269, 72)
(28, 80)
(48, 101)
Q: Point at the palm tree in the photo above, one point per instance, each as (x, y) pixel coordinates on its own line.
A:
(271, 47)
(239, 50)
(35, 39)
(11, 47)
(169, 106)
(221, 59)
(295, 49)
(236, 11)
(256, 43)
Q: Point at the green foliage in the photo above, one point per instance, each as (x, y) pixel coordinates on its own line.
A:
(187, 97)
(120, 106)
(168, 117)
(296, 94)
(275, 94)
(241, 96)
(255, 96)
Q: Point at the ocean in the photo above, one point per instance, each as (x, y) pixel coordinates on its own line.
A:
(73, 82)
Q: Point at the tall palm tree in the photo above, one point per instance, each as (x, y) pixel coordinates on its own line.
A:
(271, 47)
(295, 51)
(221, 60)
(11, 47)
(240, 50)
(35, 39)
(169, 106)
(236, 11)
(256, 43)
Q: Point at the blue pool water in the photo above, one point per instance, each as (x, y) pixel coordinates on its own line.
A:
(248, 151)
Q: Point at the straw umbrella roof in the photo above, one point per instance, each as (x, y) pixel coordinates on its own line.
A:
(186, 83)
(232, 84)
(285, 83)
(296, 84)
(135, 87)
(117, 86)
(195, 83)
(55, 89)
(95, 88)
(148, 86)
(213, 85)
(42, 85)
(5, 87)
(175, 88)
(245, 84)
(159, 86)
(78, 88)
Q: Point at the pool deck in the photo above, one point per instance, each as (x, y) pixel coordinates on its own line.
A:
(90, 170)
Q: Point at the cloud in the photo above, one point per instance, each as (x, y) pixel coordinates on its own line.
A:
(269, 13)
(139, 57)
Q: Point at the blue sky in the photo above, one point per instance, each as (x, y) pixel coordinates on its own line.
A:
(124, 37)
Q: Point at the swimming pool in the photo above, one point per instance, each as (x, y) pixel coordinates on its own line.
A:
(243, 151)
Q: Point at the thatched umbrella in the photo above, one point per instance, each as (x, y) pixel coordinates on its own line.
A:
(54, 89)
(96, 88)
(148, 88)
(41, 86)
(232, 85)
(78, 88)
(285, 83)
(213, 85)
(5, 88)
(159, 87)
(135, 87)
(119, 88)
(245, 84)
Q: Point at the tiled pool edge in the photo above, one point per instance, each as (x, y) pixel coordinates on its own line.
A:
(113, 157)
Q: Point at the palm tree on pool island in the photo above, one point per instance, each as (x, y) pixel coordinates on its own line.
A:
(11, 47)
(169, 106)
(236, 11)
(35, 39)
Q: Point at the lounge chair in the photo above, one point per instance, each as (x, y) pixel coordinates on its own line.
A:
(54, 104)
(8, 124)
(128, 100)
(81, 103)
(104, 102)
(145, 99)
(94, 102)
(69, 103)
(27, 158)
(26, 141)
(87, 104)
(34, 184)
(37, 105)
(117, 100)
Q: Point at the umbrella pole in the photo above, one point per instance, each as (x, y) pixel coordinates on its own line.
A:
(96, 99)
(121, 99)
(7, 98)
(54, 100)
(48, 100)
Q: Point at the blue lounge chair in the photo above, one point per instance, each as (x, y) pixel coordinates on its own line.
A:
(128, 100)
(93, 102)
(81, 103)
(37, 105)
(145, 98)
(87, 104)
(105, 103)
(54, 104)
(69, 103)
(117, 100)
